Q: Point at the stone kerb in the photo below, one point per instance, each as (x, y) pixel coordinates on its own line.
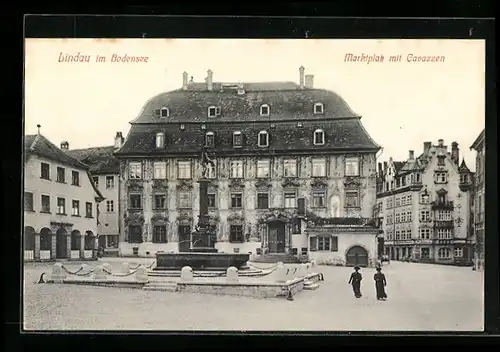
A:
(232, 274)
(280, 272)
(141, 274)
(99, 273)
(124, 268)
(85, 268)
(58, 273)
(186, 274)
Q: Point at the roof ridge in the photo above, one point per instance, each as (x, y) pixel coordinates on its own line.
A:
(35, 140)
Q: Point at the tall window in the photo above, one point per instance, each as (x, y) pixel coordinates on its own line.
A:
(28, 201)
(444, 253)
(61, 175)
(75, 178)
(75, 208)
(263, 139)
(212, 111)
(323, 243)
(263, 168)
(237, 139)
(319, 167)
(160, 140)
(164, 112)
(184, 199)
(319, 137)
(135, 201)
(160, 234)
(352, 199)
(290, 168)
(318, 199)
(110, 206)
(262, 200)
(45, 204)
(211, 200)
(212, 170)
(290, 199)
(236, 200)
(96, 181)
(135, 171)
(160, 201)
(159, 170)
(184, 170)
(45, 171)
(444, 234)
(425, 215)
(264, 110)
(209, 139)
(459, 252)
(135, 234)
(440, 177)
(88, 209)
(61, 206)
(110, 182)
(236, 169)
(352, 166)
(236, 233)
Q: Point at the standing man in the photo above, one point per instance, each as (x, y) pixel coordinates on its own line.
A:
(355, 281)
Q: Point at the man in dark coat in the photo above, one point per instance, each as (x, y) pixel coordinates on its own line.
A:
(355, 281)
(380, 284)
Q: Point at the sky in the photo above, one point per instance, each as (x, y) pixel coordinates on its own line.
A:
(402, 104)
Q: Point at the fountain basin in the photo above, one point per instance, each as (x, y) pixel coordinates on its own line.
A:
(200, 260)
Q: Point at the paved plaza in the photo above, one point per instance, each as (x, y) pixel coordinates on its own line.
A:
(420, 297)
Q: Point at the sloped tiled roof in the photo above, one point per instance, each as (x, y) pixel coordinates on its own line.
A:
(41, 146)
(101, 160)
(479, 140)
(398, 165)
(463, 167)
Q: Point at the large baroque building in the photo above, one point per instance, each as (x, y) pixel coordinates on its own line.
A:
(104, 168)
(60, 204)
(294, 171)
(480, 147)
(425, 204)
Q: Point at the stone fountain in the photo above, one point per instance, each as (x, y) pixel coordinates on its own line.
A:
(202, 254)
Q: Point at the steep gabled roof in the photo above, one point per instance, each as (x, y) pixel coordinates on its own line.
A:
(479, 140)
(101, 160)
(463, 167)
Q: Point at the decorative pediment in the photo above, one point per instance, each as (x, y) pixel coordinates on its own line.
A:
(262, 183)
(319, 183)
(159, 219)
(135, 185)
(185, 218)
(441, 192)
(352, 182)
(134, 219)
(185, 185)
(160, 184)
(236, 183)
(212, 185)
(235, 217)
(342, 222)
(290, 183)
(275, 215)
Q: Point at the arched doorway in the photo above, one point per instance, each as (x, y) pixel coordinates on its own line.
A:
(357, 256)
(45, 243)
(277, 236)
(29, 243)
(89, 244)
(61, 244)
(76, 244)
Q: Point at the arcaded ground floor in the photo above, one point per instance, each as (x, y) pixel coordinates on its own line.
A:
(420, 297)
(452, 254)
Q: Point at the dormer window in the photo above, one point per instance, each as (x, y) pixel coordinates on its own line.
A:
(209, 139)
(319, 137)
(156, 112)
(237, 139)
(319, 108)
(263, 139)
(160, 140)
(213, 111)
(164, 112)
(264, 110)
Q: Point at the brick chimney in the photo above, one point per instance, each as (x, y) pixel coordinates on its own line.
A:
(210, 80)
(118, 140)
(440, 142)
(427, 147)
(411, 155)
(64, 145)
(309, 79)
(301, 78)
(455, 152)
(184, 80)
(241, 89)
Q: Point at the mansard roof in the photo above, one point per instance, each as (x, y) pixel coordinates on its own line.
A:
(37, 144)
(101, 160)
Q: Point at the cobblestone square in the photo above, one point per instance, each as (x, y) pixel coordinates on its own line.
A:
(420, 297)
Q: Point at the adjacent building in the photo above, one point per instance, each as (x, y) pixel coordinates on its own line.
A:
(425, 204)
(104, 168)
(60, 204)
(294, 172)
(480, 147)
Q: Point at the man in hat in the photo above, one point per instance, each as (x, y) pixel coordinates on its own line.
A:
(380, 284)
(355, 281)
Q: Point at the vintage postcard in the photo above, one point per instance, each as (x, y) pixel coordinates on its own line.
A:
(255, 185)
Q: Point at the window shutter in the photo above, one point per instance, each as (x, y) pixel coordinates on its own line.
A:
(313, 244)
(334, 244)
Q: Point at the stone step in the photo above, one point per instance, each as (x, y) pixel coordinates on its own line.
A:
(161, 286)
(311, 287)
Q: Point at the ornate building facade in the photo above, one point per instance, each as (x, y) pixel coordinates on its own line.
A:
(480, 147)
(426, 206)
(284, 153)
(60, 204)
